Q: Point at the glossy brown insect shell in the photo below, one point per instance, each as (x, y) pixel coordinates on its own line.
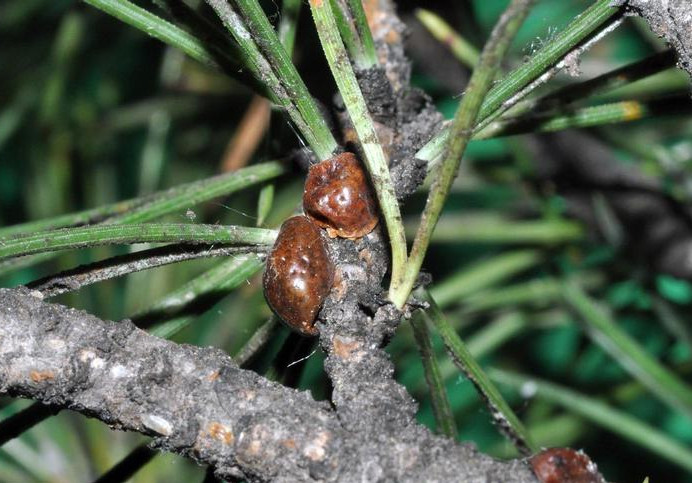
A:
(559, 465)
(298, 275)
(338, 197)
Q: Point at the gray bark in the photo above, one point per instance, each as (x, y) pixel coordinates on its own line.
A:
(670, 19)
(196, 402)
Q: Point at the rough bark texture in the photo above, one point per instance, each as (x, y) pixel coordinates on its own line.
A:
(197, 402)
(670, 19)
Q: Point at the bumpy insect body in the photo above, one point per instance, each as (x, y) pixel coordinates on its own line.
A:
(338, 197)
(299, 274)
(560, 465)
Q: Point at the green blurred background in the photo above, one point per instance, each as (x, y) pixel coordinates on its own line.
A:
(93, 111)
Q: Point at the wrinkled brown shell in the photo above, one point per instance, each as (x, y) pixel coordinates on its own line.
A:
(560, 465)
(338, 197)
(298, 275)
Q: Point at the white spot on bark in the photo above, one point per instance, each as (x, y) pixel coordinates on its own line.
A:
(86, 355)
(119, 370)
(315, 449)
(157, 424)
(55, 344)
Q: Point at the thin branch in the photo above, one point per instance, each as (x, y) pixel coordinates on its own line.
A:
(141, 455)
(76, 278)
(197, 402)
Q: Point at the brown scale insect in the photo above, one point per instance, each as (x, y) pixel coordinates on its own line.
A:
(337, 197)
(564, 465)
(298, 275)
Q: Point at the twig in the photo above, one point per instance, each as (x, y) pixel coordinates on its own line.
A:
(74, 279)
(141, 455)
(197, 402)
